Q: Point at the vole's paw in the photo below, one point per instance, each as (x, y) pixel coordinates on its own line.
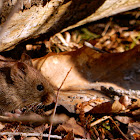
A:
(16, 114)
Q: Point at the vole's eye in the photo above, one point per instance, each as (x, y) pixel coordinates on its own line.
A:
(40, 87)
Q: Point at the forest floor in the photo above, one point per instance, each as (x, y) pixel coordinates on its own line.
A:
(109, 117)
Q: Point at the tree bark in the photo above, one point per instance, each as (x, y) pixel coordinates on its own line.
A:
(53, 17)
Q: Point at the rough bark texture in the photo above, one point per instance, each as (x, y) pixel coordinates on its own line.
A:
(54, 16)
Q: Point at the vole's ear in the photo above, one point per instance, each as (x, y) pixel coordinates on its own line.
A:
(26, 59)
(19, 71)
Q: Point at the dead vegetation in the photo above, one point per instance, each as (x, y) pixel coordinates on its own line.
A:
(97, 83)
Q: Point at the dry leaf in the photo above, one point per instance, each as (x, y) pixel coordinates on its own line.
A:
(117, 106)
(30, 138)
(69, 136)
(135, 104)
(2, 126)
(91, 69)
(69, 99)
(136, 136)
(71, 125)
(108, 107)
(102, 108)
(125, 100)
(124, 119)
(133, 128)
(136, 112)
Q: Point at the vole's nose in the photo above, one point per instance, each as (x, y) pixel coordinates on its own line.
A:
(48, 99)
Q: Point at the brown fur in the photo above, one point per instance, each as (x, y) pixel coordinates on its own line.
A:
(22, 85)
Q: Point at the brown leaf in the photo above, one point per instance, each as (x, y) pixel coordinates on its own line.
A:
(71, 125)
(133, 128)
(135, 104)
(70, 99)
(125, 100)
(2, 126)
(90, 70)
(102, 108)
(136, 112)
(88, 67)
(30, 138)
(117, 106)
(136, 136)
(69, 136)
(124, 119)
(108, 107)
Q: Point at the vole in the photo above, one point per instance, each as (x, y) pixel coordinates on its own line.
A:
(22, 85)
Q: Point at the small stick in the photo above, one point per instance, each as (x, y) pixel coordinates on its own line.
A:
(106, 27)
(33, 135)
(28, 134)
(99, 120)
(118, 128)
(93, 47)
(57, 102)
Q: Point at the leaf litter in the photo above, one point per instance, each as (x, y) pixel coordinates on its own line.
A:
(92, 70)
(101, 94)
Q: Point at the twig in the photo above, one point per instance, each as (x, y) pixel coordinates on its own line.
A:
(105, 118)
(33, 134)
(62, 39)
(106, 27)
(93, 47)
(28, 134)
(57, 102)
(99, 120)
(118, 128)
